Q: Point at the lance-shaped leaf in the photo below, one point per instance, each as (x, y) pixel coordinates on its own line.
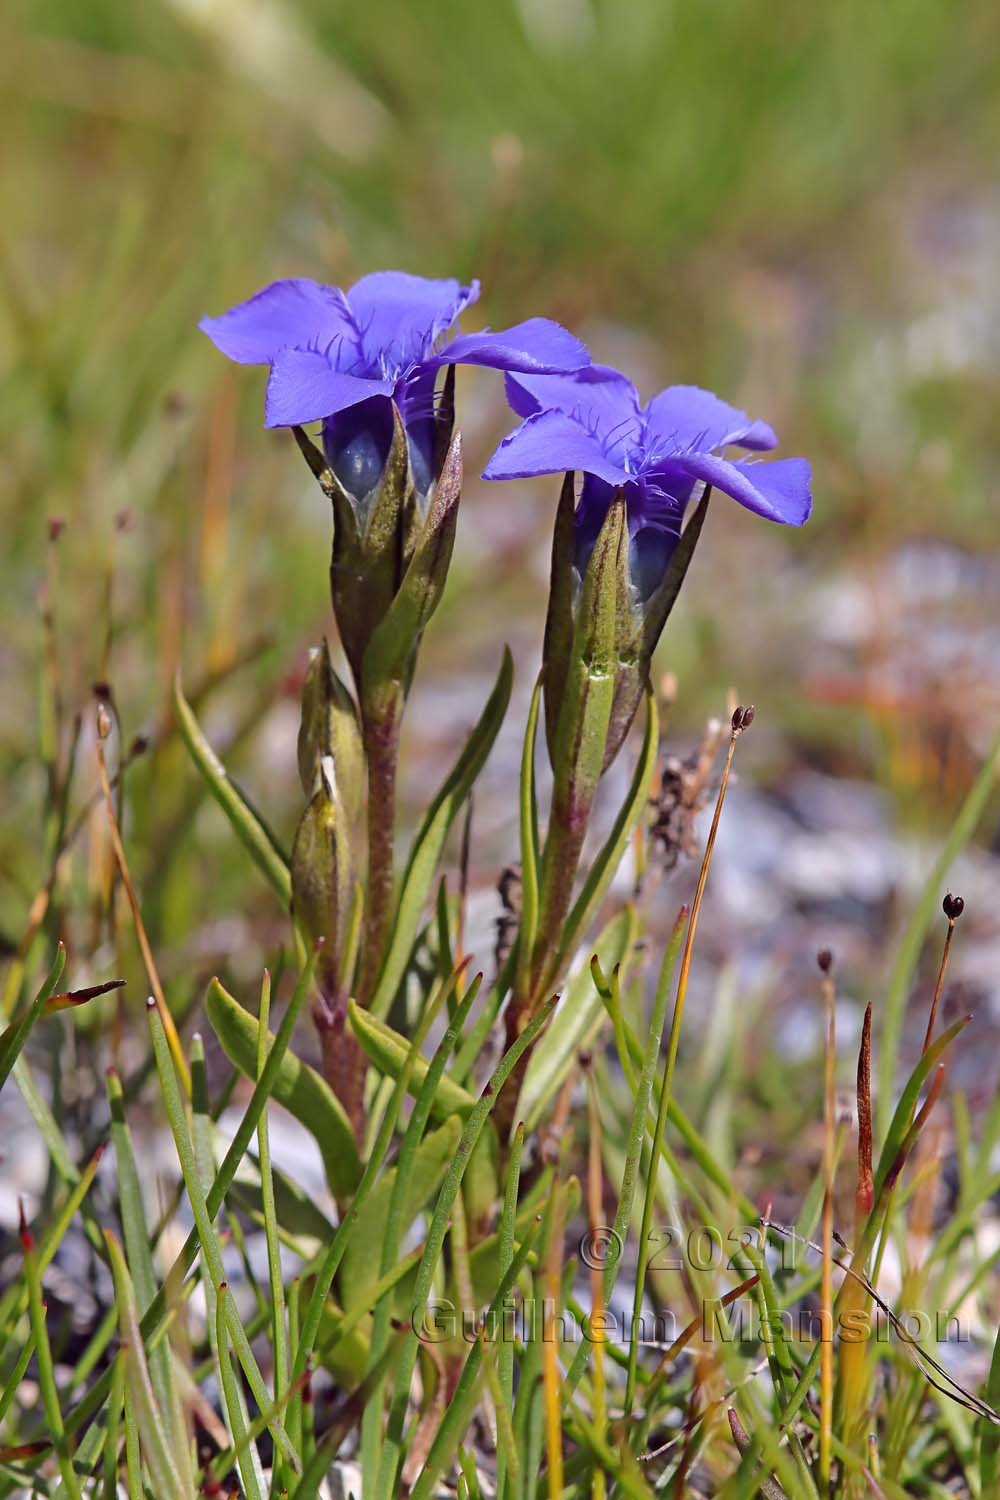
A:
(389, 1051)
(329, 726)
(389, 656)
(250, 827)
(297, 1086)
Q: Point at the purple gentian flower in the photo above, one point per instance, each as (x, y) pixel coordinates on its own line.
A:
(657, 454)
(343, 358)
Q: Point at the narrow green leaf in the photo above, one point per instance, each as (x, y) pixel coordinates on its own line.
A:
(371, 1427)
(576, 1022)
(423, 1173)
(153, 1318)
(636, 1134)
(388, 1051)
(249, 826)
(429, 842)
(13, 1385)
(109, 1465)
(202, 1215)
(435, 1242)
(903, 1113)
(140, 1260)
(233, 1398)
(989, 1433)
(327, 1269)
(17, 1033)
(303, 1092)
(508, 1463)
(458, 1416)
(161, 1456)
(528, 925)
(279, 1331)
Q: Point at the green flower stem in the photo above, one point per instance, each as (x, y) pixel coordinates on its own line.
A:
(380, 731)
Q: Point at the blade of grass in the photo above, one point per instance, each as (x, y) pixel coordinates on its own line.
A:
(395, 1227)
(527, 930)
(826, 1284)
(249, 827)
(153, 1319)
(14, 1038)
(637, 1128)
(207, 1237)
(149, 963)
(161, 1458)
(112, 1435)
(508, 1466)
(474, 1125)
(457, 1416)
(46, 1370)
(232, 1396)
(279, 1338)
(140, 1256)
(742, 718)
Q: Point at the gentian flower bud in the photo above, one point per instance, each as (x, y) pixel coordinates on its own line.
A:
(656, 458)
(365, 363)
(321, 866)
(329, 727)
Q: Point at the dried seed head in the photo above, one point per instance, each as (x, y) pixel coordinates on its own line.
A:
(509, 891)
(56, 527)
(742, 718)
(825, 960)
(685, 787)
(585, 1058)
(953, 907)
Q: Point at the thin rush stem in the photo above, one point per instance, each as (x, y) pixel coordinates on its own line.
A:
(742, 719)
(176, 1050)
(826, 1269)
(595, 1189)
(953, 907)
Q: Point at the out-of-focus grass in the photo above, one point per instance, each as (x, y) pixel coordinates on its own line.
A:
(793, 205)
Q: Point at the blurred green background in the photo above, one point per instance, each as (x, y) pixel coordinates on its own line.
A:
(794, 205)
